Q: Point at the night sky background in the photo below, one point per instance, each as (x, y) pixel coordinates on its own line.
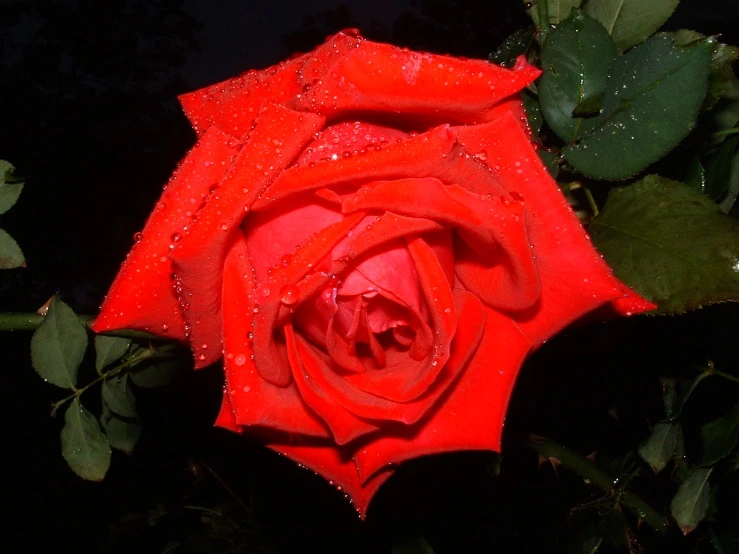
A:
(88, 113)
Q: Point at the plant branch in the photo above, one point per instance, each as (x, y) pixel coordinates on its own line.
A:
(596, 476)
(542, 7)
(31, 321)
(143, 354)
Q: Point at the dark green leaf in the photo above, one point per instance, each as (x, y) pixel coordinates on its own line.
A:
(652, 98)
(720, 437)
(658, 449)
(533, 113)
(592, 105)
(83, 444)
(677, 391)
(109, 350)
(11, 255)
(718, 168)
(416, 545)
(122, 434)
(156, 373)
(722, 75)
(549, 159)
(733, 191)
(695, 176)
(690, 502)
(9, 191)
(630, 21)
(575, 59)
(58, 346)
(669, 243)
(513, 46)
(559, 10)
(118, 396)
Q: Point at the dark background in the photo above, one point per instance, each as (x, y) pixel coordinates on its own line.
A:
(88, 112)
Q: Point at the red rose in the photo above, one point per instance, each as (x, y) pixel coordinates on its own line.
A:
(367, 238)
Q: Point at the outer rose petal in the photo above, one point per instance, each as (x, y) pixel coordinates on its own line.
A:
(575, 279)
(385, 78)
(142, 295)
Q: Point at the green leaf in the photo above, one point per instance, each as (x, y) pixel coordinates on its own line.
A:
(122, 434)
(718, 168)
(533, 113)
(670, 243)
(575, 58)
(83, 444)
(58, 346)
(658, 449)
(559, 10)
(733, 191)
(690, 503)
(677, 391)
(652, 98)
(592, 105)
(9, 191)
(11, 256)
(417, 545)
(630, 21)
(156, 373)
(513, 46)
(550, 161)
(720, 437)
(118, 396)
(109, 350)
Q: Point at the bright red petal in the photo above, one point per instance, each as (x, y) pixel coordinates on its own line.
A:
(142, 295)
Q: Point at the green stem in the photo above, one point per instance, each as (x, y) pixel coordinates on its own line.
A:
(143, 354)
(542, 7)
(590, 472)
(32, 321)
(725, 133)
(720, 373)
(591, 201)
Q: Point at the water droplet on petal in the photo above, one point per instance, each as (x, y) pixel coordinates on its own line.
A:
(289, 295)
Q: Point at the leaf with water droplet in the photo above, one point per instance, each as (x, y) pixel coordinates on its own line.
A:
(690, 503)
(11, 255)
(575, 58)
(558, 10)
(10, 188)
(118, 396)
(109, 350)
(630, 21)
(58, 345)
(513, 46)
(160, 370)
(669, 243)
(122, 434)
(84, 446)
(653, 95)
(658, 449)
(720, 437)
(533, 111)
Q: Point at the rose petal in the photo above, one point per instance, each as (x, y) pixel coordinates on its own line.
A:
(574, 278)
(345, 426)
(198, 257)
(471, 415)
(327, 460)
(253, 400)
(385, 78)
(233, 105)
(142, 296)
(498, 266)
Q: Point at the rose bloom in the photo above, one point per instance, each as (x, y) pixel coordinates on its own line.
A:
(367, 239)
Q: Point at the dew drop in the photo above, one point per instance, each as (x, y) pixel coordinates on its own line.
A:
(240, 359)
(289, 295)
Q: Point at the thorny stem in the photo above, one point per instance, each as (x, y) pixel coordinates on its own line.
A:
(142, 354)
(32, 321)
(591, 473)
(591, 201)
